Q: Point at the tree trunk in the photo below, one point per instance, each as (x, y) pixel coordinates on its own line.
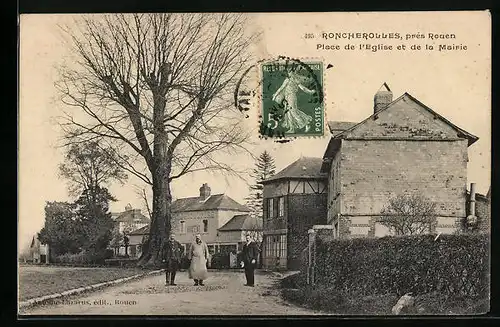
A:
(162, 200)
(161, 221)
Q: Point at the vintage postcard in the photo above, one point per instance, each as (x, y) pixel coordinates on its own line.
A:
(182, 164)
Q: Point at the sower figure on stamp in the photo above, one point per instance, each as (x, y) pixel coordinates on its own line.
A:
(287, 95)
(198, 254)
(250, 253)
(172, 256)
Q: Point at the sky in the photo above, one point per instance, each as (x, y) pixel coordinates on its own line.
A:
(456, 84)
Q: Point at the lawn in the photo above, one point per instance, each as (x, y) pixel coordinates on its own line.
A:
(36, 281)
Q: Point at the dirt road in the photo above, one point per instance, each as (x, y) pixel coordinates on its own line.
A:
(223, 294)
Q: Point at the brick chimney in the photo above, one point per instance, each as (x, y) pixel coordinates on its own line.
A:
(136, 213)
(204, 191)
(382, 98)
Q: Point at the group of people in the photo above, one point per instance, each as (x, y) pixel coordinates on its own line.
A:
(198, 255)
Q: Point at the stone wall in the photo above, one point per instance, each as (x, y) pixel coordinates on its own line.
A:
(304, 211)
(374, 171)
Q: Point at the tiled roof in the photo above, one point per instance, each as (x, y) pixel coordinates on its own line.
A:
(242, 222)
(471, 138)
(141, 231)
(213, 202)
(337, 127)
(132, 216)
(304, 168)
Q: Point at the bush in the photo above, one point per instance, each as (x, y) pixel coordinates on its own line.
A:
(84, 257)
(77, 258)
(220, 260)
(453, 265)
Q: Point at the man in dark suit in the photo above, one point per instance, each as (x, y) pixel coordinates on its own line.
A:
(250, 253)
(172, 256)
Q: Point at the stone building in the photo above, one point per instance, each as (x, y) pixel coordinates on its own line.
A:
(125, 223)
(403, 147)
(293, 201)
(222, 223)
(129, 220)
(38, 252)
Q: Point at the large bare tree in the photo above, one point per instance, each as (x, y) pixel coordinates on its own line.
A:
(157, 88)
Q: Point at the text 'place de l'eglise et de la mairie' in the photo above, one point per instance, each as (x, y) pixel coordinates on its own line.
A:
(404, 147)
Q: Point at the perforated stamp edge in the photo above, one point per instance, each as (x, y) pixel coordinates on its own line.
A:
(259, 99)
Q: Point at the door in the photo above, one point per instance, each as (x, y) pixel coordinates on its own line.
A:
(275, 251)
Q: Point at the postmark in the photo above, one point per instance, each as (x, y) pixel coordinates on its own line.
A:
(291, 98)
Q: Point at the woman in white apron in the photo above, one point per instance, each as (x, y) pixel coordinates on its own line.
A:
(198, 255)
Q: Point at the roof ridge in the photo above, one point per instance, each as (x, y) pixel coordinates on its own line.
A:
(406, 94)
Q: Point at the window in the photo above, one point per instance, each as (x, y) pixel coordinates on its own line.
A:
(281, 206)
(182, 227)
(270, 207)
(205, 225)
(275, 246)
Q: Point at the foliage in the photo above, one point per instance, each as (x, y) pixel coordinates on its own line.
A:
(409, 214)
(255, 232)
(92, 209)
(453, 265)
(88, 165)
(328, 299)
(61, 230)
(83, 225)
(264, 169)
(220, 260)
(84, 257)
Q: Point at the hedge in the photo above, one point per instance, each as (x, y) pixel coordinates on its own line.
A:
(83, 257)
(455, 265)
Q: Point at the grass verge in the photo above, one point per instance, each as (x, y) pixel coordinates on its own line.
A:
(39, 281)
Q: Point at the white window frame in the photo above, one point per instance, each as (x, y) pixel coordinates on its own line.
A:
(182, 227)
(270, 208)
(281, 206)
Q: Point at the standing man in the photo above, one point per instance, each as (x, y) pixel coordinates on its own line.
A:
(250, 253)
(198, 254)
(172, 256)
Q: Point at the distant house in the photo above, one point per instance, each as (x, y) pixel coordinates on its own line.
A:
(239, 227)
(293, 201)
(39, 253)
(205, 214)
(136, 240)
(222, 222)
(126, 222)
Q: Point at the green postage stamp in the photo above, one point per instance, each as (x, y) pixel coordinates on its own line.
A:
(292, 98)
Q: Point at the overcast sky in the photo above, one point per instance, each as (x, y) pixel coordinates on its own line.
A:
(456, 84)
